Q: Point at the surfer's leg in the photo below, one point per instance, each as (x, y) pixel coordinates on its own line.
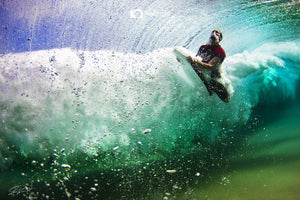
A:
(220, 90)
(206, 83)
(201, 76)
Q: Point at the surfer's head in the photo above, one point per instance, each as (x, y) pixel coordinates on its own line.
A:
(216, 36)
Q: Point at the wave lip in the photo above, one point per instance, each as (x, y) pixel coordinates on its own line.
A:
(269, 74)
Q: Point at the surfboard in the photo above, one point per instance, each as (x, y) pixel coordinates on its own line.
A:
(211, 85)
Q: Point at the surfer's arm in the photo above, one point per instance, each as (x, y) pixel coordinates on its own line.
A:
(214, 62)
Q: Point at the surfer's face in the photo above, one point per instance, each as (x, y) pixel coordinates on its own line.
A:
(216, 36)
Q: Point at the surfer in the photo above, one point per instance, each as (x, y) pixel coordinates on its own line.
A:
(212, 55)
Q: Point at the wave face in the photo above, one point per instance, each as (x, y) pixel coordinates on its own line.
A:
(91, 86)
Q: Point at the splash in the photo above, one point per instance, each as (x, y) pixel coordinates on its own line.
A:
(136, 107)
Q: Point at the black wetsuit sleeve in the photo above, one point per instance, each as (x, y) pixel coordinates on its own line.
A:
(201, 49)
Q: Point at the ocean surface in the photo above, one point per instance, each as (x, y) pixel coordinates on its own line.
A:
(94, 103)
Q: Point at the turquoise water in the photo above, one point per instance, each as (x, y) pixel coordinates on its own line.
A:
(95, 105)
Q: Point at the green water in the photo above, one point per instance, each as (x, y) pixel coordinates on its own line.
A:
(260, 163)
(266, 167)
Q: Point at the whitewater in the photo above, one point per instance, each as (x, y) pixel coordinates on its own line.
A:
(96, 105)
(100, 100)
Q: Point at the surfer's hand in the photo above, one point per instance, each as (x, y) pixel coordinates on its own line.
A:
(190, 59)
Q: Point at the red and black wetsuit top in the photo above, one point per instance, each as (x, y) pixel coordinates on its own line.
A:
(207, 52)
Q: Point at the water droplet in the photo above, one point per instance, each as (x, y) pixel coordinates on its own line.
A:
(66, 166)
(171, 171)
(147, 131)
(115, 148)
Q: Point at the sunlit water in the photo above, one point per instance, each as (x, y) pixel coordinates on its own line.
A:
(95, 105)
